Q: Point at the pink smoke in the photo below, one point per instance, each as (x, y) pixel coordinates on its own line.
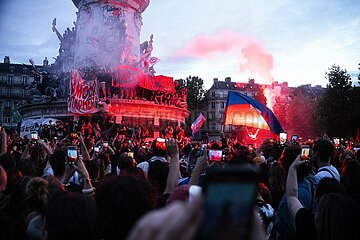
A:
(253, 57)
(271, 92)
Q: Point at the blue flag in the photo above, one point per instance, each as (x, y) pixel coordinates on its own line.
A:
(244, 110)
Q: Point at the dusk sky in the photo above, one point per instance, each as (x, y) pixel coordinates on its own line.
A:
(284, 40)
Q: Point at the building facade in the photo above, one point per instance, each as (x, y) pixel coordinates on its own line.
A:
(14, 79)
(214, 106)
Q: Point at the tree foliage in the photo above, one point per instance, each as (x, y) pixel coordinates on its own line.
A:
(335, 113)
(195, 88)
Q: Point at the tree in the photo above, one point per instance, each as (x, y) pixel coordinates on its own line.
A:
(195, 89)
(339, 79)
(335, 111)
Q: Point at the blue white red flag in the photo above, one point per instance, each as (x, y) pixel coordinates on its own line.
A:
(244, 110)
(197, 124)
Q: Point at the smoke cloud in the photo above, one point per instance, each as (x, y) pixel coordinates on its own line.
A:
(253, 57)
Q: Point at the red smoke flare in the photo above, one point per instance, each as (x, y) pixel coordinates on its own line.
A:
(253, 57)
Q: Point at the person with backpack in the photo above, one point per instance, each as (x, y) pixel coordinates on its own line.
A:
(323, 150)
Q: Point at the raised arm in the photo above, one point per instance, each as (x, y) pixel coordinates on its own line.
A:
(201, 164)
(4, 141)
(45, 146)
(292, 189)
(173, 176)
(25, 154)
(83, 148)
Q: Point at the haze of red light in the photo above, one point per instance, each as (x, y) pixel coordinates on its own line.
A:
(253, 57)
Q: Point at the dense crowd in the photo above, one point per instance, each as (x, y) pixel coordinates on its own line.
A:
(101, 180)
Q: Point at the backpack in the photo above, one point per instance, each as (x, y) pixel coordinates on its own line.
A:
(327, 170)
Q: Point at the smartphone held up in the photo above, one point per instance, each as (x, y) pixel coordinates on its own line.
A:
(72, 154)
(229, 195)
(305, 152)
(283, 138)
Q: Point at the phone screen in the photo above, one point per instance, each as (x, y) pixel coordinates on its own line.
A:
(73, 135)
(305, 152)
(283, 137)
(215, 155)
(160, 143)
(96, 149)
(131, 154)
(34, 136)
(337, 141)
(294, 138)
(72, 153)
(229, 200)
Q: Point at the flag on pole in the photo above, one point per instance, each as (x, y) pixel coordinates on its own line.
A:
(244, 110)
(197, 124)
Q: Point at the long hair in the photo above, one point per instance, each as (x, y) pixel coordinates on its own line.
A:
(337, 217)
(277, 177)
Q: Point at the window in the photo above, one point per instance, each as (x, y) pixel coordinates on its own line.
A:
(7, 104)
(213, 116)
(24, 80)
(9, 79)
(221, 94)
(7, 119)
(8, 92)
(212, 94)
(213, 105)
(23, 93)
(222, 105)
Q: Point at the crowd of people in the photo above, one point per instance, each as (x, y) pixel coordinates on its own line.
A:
(177, 98)
(101, 180)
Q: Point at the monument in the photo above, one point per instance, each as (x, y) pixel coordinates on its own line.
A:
(103, 69)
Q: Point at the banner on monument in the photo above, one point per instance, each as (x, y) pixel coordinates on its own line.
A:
(83, 94)
(126, 76)
(158, 83)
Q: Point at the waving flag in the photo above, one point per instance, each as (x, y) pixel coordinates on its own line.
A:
(195, 127)
(244, 110)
